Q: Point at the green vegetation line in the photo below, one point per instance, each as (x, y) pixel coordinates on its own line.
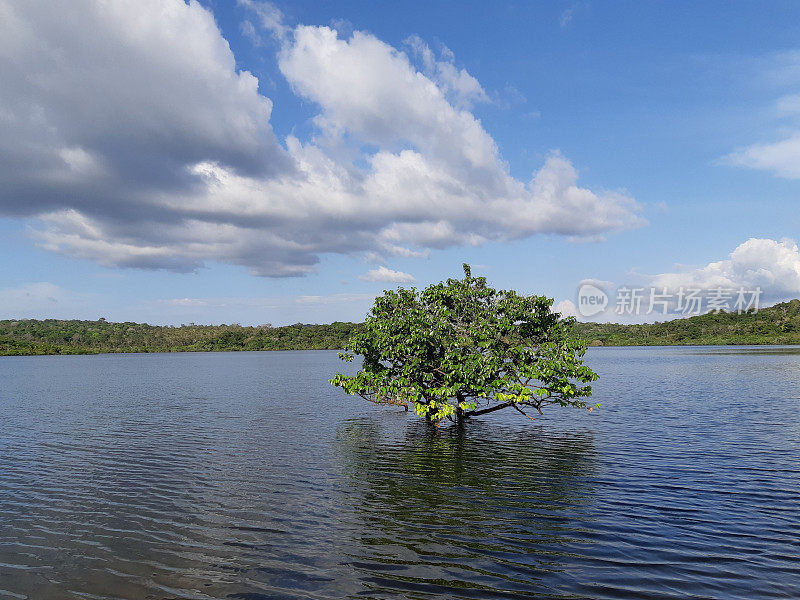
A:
(779, 324)
(52, 336)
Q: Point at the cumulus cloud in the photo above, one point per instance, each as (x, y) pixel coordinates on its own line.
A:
(566, 308)
(773, 266)
(460, 88)
(757, 273)
(387, 275)
(127, 93)
(127, 130)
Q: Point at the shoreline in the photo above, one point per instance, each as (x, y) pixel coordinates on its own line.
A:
(778, 325)
(186, 351)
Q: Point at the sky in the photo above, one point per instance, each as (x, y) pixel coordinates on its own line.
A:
(248, 162)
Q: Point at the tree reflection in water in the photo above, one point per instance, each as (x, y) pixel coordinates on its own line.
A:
(484, 511)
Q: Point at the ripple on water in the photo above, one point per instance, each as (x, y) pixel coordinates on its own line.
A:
(247, 476)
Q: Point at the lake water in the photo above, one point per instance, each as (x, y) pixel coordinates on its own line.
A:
(247, 476)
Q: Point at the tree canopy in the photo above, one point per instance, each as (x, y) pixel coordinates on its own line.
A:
(85, 337)
(460, 348)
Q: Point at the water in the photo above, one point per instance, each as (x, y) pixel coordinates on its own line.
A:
(246, 475)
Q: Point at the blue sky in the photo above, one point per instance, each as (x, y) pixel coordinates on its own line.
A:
(251, 162)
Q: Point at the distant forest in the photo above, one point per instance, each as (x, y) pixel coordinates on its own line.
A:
(779, 324)
(91, 337)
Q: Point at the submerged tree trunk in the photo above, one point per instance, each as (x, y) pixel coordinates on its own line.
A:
(461, 415)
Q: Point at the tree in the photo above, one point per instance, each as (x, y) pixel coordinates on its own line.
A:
(460, 349)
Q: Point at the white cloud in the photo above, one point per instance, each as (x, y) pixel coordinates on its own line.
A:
(373, 257)
(387, 275)
(137, 87)
(781, 155)
(460, 88)
(249, 31)
(772, 265)
(371, 91)
(780, 158)
(600, 283)
(566, 308)
(187, 302)
(127, 130)
(269, 18)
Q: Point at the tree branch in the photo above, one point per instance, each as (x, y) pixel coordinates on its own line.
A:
(522, 412)
(475, 413)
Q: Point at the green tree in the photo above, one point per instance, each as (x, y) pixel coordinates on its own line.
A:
(460, 349)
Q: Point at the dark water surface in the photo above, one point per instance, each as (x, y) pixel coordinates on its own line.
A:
(246, 475)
